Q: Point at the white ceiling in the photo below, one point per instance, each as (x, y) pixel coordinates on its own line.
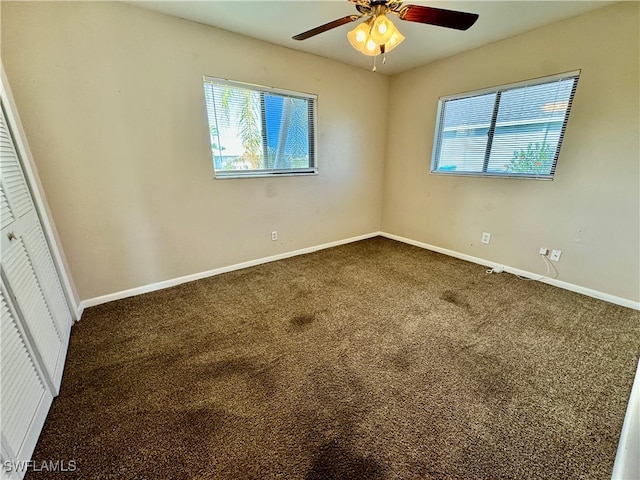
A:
(277, 21)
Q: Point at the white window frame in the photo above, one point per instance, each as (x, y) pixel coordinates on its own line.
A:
(438, 131)
(312, 99)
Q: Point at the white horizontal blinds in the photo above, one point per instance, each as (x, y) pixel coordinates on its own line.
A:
(237, 116)
(286, 123)
(515, 130)
(529, 128)
(465, 125)
(258, 130)
(21, 387)
(214, 102)
(311, 117)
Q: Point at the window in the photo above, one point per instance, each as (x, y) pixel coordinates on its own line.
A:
(259, 131)
(510, 131)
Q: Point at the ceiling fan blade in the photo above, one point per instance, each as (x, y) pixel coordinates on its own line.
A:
(437, 16)
(327, 26)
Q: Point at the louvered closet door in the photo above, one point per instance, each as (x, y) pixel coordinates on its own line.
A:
(25, 397)
(27, 265)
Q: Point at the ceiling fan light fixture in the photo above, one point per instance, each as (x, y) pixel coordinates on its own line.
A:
(378, 35)
(374, 36)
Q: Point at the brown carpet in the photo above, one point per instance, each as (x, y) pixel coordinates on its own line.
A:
(373, 360)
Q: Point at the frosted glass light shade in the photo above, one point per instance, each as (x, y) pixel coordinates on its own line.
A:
(396, 39)
(358, 36)
(382, 29)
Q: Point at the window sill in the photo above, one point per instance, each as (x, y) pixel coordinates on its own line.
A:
(219, 176)
(494, 175)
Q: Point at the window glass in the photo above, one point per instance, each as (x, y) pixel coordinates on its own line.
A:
(257, 131)
(514, 130)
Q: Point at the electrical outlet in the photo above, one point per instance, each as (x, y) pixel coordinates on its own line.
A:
(555, 255)
(274, 235)
(544, 251)
(486, 237)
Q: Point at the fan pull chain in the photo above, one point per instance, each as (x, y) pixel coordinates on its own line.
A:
(374, 69)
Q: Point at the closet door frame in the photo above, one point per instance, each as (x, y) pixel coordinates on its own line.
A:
(35, 187)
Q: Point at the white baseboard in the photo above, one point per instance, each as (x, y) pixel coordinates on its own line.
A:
(210, 273)
(481, 261)
(625, 302)
(79, 311)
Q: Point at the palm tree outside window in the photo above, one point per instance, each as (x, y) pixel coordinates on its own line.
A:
(258, 131)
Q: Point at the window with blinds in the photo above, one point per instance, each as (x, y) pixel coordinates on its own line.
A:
(259, 131)
(514, 130)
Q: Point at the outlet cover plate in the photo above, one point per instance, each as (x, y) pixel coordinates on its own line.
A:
(486, 237)
(555, 255)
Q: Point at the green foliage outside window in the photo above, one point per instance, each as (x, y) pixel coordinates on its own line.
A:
(537, 158)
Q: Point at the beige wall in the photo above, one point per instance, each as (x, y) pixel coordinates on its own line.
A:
(591, 211)
(111, 99)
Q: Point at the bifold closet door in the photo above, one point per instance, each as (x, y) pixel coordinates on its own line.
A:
(36, 318)
(25, 397)
(27, 266)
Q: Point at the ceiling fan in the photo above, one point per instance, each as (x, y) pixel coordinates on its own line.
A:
(378, 35)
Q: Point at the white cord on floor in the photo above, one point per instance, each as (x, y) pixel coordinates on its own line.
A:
(546, 275)
(500, 269)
